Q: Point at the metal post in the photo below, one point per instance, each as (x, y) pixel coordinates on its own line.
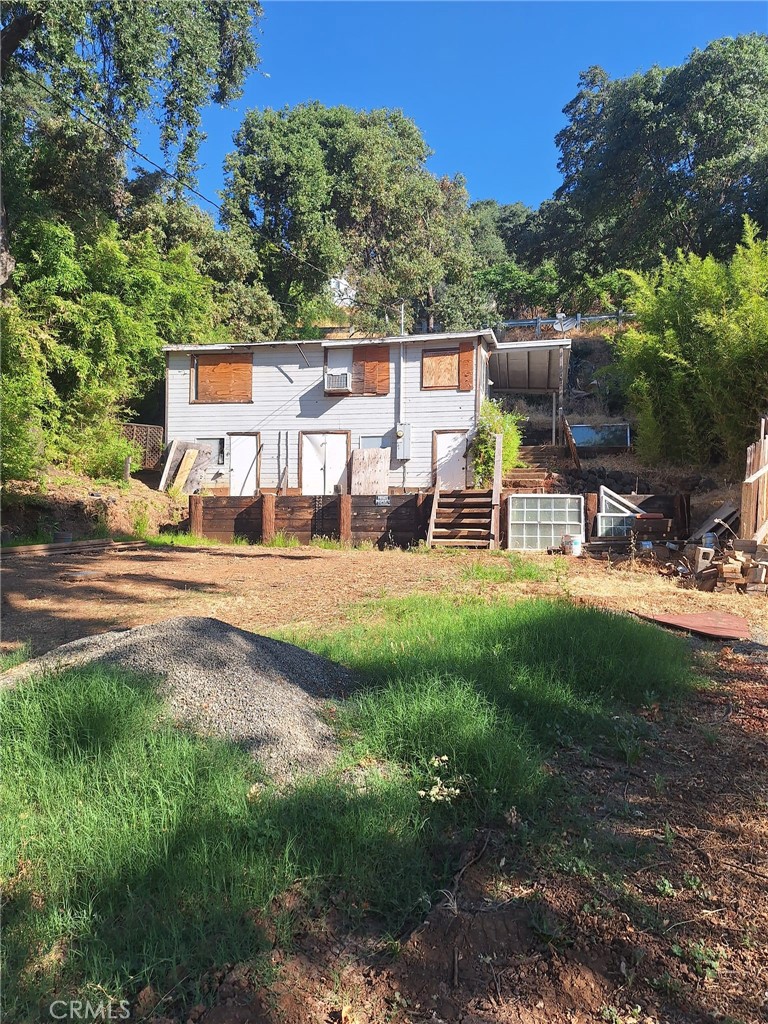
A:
(402, 319)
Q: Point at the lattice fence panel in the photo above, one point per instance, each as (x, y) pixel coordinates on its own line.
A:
(149, 437)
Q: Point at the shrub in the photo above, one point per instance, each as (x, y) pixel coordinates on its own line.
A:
(495, 420)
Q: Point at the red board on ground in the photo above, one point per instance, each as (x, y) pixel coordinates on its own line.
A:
(719, 625)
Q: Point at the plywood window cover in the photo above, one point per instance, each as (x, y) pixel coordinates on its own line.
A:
(536, 522)
(226, 378)
(370, 370)
(448, 369)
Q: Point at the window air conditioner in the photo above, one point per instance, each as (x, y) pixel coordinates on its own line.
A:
(339, 383)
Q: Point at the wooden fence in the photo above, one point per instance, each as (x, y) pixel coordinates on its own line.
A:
(149, 437)
(349, 518)
(754, 490)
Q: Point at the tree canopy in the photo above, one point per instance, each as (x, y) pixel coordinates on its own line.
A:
(331, 191)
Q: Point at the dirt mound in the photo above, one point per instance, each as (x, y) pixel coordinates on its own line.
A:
(265, 694)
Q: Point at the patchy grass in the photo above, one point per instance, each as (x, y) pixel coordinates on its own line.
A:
(511, 567)
(20, 654)
(130, 846)
(187, 540)
(40, 537)
(282, 540)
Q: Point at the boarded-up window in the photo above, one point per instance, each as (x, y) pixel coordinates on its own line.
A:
(222, 377)
(448, 369)
(370, 370)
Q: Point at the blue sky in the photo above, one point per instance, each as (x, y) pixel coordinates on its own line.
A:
(485, 82)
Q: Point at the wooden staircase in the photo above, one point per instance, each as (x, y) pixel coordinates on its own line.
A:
(540, 475)
(462, 519)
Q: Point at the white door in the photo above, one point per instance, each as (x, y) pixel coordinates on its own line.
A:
(451, 459)
(243, 462)
(323, 463)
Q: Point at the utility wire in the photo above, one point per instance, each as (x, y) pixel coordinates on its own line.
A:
(78, 110)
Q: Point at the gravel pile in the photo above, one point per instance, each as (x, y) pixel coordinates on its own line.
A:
(265, 694)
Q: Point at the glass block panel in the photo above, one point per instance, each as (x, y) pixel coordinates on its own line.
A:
(538, 521)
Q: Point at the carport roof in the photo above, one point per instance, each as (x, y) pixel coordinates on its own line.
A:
(532, 367)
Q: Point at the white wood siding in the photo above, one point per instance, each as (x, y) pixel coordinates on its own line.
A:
(288, 397)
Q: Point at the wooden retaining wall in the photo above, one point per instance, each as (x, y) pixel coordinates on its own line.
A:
(348, 518)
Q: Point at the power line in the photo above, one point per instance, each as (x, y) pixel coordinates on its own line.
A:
(175, 177)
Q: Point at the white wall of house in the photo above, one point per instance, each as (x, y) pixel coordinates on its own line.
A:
(289, 397)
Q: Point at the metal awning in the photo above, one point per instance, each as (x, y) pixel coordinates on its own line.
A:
(533, 367)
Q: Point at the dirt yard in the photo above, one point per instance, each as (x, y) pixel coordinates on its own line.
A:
(650, 900)
(50, 600)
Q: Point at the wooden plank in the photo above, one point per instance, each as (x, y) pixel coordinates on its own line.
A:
(718, 625)
(345, 519)
(725, 513)
(466, 365)
(195, 515)
(171, 462)
(433, 514)
(496, 496)
(74, 547)
(185, 468)
(440, 369)
(224, 377)
(196, 473)
(267, 518)
(370, 470)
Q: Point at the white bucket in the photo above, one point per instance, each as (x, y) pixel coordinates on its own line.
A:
(571, 545)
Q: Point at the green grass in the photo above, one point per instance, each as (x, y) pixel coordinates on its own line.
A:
(39, 537)
(282, 540)
(553, 667)
(16, 657)
(512, 568)
(187, 540)
(130, 846)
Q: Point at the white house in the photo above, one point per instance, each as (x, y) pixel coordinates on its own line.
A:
(289, 413)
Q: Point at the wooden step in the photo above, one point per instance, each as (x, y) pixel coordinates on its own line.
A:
(469, 502)
(461, 531)
(462, 520)
(440, 543)
(468, 492)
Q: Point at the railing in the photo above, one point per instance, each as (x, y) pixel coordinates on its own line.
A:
(433, 513)
(497, 474)
(754, 490)
(568, 436)
(574, 321)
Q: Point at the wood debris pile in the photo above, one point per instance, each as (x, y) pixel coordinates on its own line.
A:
(741, 564)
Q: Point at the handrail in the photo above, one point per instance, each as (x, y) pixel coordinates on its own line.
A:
(569, 440)
(496, 501)
(433, 513)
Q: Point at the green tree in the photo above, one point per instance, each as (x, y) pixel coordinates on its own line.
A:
(668, 159)
(695, 362)
(117, 60)
(227, 257)
(83, 332)
(329, 191)
(519, 292)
